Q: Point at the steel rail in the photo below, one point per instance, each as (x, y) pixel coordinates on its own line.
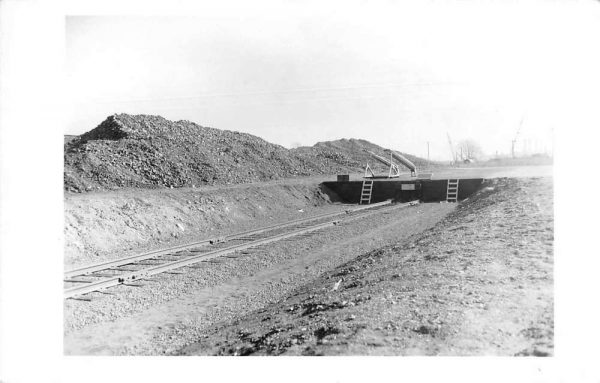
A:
(152, 254)
(137, 275)
(127, 260)
(412, 203)
(134, 275)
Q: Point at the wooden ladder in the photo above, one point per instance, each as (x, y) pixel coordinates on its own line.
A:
(452, 191)
(367, 191)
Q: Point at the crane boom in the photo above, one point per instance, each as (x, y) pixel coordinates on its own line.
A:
(514, 141)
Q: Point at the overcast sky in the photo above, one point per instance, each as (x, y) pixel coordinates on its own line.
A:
(396, 74)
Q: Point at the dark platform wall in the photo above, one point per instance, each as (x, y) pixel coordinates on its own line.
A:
(425, 190)
(435, 190)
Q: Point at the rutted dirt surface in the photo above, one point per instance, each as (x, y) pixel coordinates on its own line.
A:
(479, 283)
(174, 310)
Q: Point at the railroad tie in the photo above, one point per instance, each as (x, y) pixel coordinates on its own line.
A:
(81, 299)
(76, 281)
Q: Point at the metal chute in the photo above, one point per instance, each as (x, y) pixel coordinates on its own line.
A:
(404, 161)
(394, 169)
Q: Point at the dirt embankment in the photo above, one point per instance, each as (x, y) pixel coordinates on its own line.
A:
(106, 225)
(479, 283)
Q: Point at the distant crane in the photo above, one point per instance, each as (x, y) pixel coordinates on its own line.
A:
(514, 141)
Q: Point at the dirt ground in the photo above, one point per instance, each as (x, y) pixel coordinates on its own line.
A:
(172, 310)
(478, 283)
(416, 282)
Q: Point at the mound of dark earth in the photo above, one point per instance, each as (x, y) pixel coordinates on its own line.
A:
(144, 151)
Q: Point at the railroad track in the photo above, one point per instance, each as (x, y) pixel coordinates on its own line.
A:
(125, 271)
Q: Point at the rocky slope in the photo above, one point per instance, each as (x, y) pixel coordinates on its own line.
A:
(143, 151)
(354, 150)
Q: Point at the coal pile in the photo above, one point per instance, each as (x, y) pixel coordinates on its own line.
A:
(142, 151)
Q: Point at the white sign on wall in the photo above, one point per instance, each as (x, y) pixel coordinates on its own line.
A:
(407, 187)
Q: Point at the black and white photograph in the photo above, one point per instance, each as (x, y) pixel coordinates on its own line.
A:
(375, 180)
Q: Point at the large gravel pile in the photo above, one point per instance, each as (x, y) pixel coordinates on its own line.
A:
(150, 151)
(353, 150)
